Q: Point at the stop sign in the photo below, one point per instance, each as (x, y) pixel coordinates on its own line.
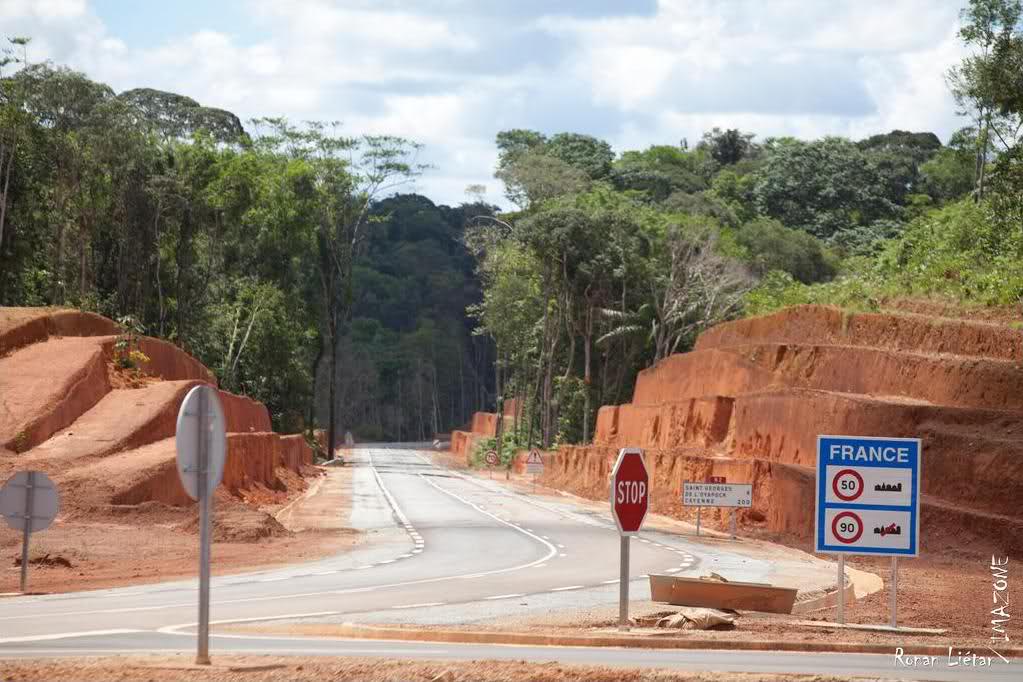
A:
(630, 490)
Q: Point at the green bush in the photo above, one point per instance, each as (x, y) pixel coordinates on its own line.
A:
(485, 445)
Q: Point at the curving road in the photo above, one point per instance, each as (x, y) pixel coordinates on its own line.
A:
(444, 548)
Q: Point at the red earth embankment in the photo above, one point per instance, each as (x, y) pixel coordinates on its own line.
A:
(105, 435)
(749, 402)
(482, 425)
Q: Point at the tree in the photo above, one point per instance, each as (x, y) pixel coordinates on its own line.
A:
(728, 147)
(980, 79)
(821, 186)
(534, 177)
(584, 152)
(772, 246)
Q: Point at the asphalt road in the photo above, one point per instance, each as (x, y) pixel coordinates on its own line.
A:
(441, 543)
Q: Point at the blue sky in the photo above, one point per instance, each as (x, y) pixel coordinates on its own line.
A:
(452, 73)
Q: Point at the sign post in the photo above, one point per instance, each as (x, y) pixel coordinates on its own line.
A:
(868, 502)
(28, 502)
(630, 499)
(201, 442)
(717, 493)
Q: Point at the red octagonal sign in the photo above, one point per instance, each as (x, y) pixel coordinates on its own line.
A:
(630, 490)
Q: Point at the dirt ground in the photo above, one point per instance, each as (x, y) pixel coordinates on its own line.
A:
(99, 551)
(174, 668)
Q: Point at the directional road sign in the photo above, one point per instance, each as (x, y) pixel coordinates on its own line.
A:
(717, 494)
(868, 495)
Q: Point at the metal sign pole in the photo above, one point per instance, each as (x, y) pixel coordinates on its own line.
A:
(29, 495)
(894, 591)
(623, 587)
(203, 436)
(731, 517)
(698, 510)
(841, 588)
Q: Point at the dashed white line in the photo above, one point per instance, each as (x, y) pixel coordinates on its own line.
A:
(505, 596)
(672, 570)
(569, 587)
(610, 582)
(418, 606)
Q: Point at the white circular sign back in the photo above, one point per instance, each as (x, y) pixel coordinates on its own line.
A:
(14, 499)
(187, 440)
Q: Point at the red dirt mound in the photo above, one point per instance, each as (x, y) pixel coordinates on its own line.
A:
(106, 446)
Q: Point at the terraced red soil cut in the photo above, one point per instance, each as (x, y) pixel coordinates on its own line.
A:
(105, 436)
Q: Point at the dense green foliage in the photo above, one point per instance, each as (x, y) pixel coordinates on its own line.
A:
(266, 251)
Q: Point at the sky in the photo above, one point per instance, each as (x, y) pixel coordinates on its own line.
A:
(452, 73)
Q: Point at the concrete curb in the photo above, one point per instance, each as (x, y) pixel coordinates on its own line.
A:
(354, 631)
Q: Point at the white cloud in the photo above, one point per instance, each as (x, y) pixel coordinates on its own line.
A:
(451, 76)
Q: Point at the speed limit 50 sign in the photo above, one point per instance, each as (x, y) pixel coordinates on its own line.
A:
(868, 495)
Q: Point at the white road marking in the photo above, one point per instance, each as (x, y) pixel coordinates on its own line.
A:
(326, 572)
(66, 635)
(504, 596)
(275, 580)
(609, 582)
(174, 629)
(561, 547)
(419, 606)
(363, 568)
(570, 587)
(562, 555)
(676, 570)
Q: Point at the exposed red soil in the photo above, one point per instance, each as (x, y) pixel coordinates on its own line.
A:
(105, 436)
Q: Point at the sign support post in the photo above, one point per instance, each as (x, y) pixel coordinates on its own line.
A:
(623, 586)
(894, 596)
(731, 519)
(841, 589)
(30, 489)
(698, 510)
(202, 446)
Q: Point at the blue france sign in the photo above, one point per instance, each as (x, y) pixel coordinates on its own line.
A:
(868, 495)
